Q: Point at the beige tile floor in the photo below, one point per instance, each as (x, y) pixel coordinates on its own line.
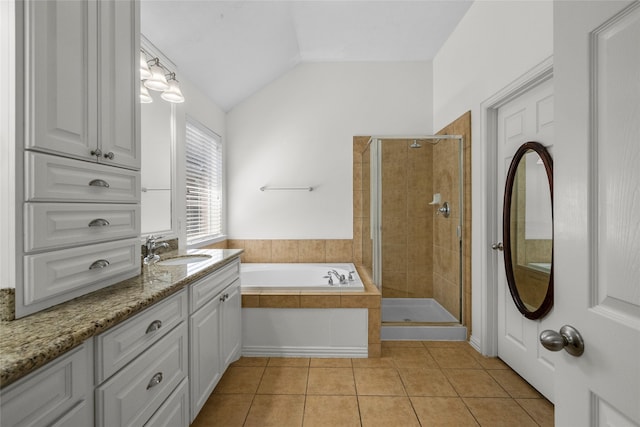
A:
(430, 383)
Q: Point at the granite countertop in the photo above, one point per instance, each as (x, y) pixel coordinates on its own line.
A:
(31, 342)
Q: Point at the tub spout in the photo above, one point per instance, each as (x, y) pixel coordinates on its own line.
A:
(339, 276)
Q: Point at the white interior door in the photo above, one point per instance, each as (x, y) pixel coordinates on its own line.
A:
(529, 117)
(597, 210)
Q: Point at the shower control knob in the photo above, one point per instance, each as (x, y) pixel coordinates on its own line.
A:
(497, 246)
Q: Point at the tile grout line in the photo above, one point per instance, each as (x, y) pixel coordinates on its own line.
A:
(255, 393)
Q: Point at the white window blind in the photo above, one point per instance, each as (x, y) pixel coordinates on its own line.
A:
(204, 183)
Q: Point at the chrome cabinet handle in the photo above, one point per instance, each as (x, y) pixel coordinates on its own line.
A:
(497, 246)
(99, 222)
(101, 263)
(568, 338)
(154, 326)
(222, 298)
(97, 152)
(155, 380)
(109, 155)
(99, 183)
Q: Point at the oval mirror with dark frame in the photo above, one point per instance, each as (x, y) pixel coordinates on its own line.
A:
(528, 230)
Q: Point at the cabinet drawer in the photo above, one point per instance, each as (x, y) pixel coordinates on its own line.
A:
(210, 286)
(120, 345)
(56, 225)
(58, 273)
(135, 393)
(174, 412)
(50, 179)
(59, 389)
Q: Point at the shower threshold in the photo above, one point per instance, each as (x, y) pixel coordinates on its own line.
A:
(422, 319)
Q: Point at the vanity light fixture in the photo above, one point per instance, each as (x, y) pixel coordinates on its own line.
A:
(173, 93)
(157, 81)
(145, 72)
(156, 76)
(145, 96)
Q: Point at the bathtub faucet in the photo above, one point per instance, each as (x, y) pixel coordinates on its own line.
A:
(339, 276)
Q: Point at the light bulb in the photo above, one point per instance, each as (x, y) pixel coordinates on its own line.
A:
(173, 94)
(145, 73)
(145, 96)
(157, 81)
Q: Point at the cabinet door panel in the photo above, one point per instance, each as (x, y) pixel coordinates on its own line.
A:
(60, 86)
(60, 390)
(135, 393)
(53, 179)
(204, 369)
(118, 42)
(60, 273)
(211, 285)
(120, 345)
(174, 412)
(58, 225)
(231, 314)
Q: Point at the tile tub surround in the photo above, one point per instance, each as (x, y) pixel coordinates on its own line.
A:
(289, 251)
(369, 299)
(31, 342)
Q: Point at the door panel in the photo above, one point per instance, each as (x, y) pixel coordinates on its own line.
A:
(60, 77)
(597, 214)
(529, 117)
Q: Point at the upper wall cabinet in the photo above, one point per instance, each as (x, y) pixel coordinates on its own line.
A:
(82, 81)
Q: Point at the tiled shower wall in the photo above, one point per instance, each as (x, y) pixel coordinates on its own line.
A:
(446, 255)
(407, 220)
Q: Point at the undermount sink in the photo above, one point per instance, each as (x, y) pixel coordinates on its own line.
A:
(181, 260)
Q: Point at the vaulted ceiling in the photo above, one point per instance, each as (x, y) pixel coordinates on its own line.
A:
(231, 49)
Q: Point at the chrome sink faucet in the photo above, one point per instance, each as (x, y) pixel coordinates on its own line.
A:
(152, 246)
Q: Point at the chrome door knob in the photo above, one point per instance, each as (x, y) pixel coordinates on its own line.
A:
(497, 246)
(568, 338)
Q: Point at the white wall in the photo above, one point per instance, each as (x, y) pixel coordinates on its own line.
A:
(298, 131)
(494, 44)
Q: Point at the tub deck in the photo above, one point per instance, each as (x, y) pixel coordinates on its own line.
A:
(370, 298)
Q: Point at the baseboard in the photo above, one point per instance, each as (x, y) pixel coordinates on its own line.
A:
(474, 341)
(423, 333)
(268, 351)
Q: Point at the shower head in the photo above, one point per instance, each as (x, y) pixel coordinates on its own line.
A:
(415, 144)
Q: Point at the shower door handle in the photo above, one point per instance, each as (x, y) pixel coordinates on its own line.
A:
(497, 246)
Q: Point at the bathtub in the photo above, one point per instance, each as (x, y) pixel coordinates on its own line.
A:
(298, 277)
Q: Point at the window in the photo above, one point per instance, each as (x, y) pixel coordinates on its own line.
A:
(204, 183)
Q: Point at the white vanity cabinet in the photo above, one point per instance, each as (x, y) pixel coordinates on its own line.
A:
(58, 394)
(142, 368)
(81, 226)
(80, 76)
(215, 331)
(79, 126)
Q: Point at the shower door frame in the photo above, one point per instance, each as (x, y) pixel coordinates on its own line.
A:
(375, 143)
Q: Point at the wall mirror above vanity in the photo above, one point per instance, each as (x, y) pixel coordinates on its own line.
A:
(158, 153)
(528, 230)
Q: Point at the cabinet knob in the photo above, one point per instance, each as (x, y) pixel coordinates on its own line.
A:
(99, 183)
(97, 152)
(99, 222)
(154, 326)
(109, 155)
(101, 263)
(155, 380)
